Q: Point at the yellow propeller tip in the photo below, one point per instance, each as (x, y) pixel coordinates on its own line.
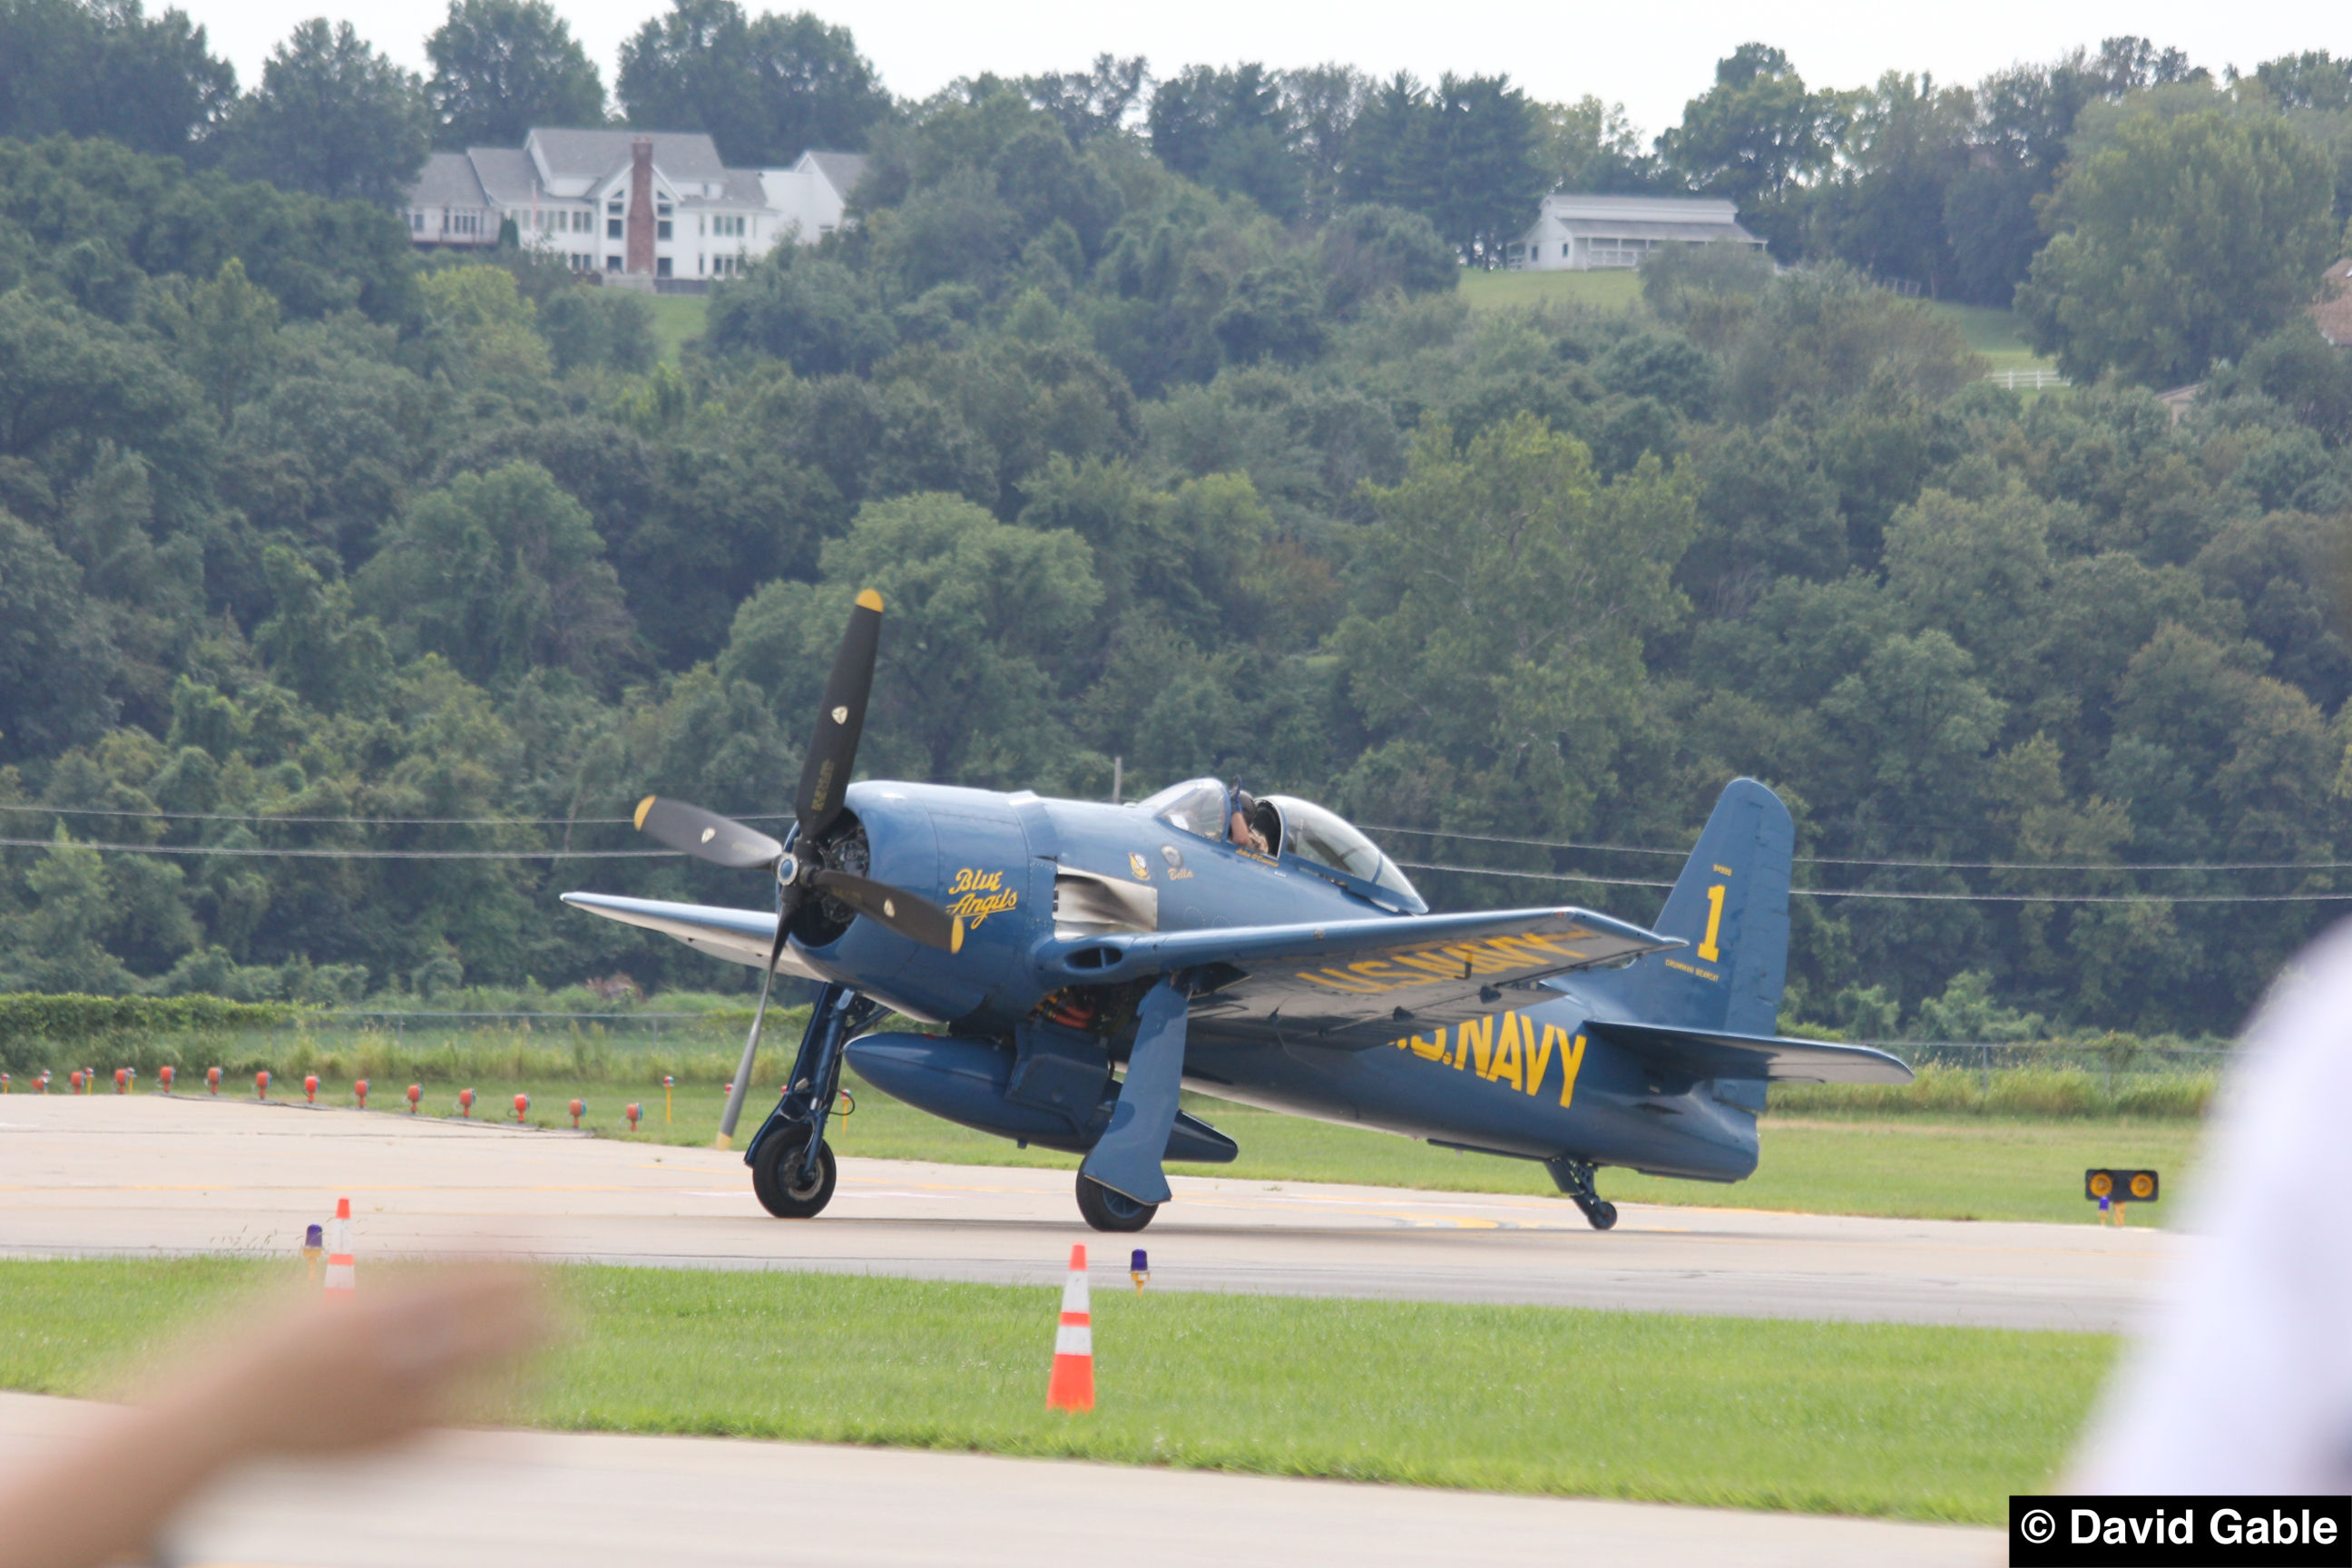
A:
(870, 600)
(644, 807)
(955, 936)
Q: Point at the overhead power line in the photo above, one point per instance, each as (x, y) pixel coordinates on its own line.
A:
(1921, 864)
(360, 821)
(1917, 898)
(320, 854)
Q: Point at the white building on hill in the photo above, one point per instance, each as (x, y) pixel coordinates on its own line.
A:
(647, 207)
(1575, 232)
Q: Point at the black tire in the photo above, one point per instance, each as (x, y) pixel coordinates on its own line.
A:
(1106, 1210)
(1602, 1214)
(780, 1153)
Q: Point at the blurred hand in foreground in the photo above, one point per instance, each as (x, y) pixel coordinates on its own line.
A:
(314, 1378)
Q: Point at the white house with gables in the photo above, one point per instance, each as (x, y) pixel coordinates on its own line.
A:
(1575, 232)
(649, 209)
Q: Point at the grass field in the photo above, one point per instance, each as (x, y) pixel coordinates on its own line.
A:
(1485, 290)
(1920, 1167)
(1939, 1423)
(677, 318)
(1997, 334)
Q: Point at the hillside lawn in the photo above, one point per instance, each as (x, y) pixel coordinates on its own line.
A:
(1852, 1419)
(1997, 334)
(676, 319)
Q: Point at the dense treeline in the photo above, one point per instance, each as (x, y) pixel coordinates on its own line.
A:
(1948, 188)
(296, 530)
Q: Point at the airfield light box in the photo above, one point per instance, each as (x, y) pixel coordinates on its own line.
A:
(2120, 1186)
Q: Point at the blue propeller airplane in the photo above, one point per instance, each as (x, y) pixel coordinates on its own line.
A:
(1257, 949)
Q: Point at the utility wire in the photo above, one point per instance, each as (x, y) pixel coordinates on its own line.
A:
(2119, 867)
(1924, 864)
(360, 821)
(346, 854)
(1919, 898)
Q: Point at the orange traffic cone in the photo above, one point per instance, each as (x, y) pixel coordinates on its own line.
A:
(342, 1276)
(1073, 1387)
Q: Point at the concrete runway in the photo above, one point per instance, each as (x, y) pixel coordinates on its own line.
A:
(148, 1174)
(586, 1500)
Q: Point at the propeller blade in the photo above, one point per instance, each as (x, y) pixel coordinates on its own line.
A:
(786, 907)
(706, 834)
(833, 748)
(911, 916)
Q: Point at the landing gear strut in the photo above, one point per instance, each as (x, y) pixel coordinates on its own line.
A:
(1575, 1178)
(792, 1165)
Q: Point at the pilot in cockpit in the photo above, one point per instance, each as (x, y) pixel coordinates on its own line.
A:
(1250, 827)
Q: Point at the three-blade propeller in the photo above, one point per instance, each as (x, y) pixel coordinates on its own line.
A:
(824, 778)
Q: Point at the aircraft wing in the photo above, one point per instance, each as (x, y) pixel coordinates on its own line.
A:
(740, 936)
(1352, 984)
(1700, 1054)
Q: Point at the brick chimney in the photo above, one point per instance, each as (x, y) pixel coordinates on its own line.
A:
(640, 253)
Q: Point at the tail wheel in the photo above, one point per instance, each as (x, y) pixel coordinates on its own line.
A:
(1106, 1210)
(784, 1189)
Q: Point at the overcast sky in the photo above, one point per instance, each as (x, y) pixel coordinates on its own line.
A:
(1650, 57)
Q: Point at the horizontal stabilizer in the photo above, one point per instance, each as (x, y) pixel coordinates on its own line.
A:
(740, 936)
(1704, 1054)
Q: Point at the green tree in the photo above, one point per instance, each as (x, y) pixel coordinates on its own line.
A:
(811, 311)
(1756, 136)
(1589, 145)
(501, 67)
(1508, 597)
(766, 91)
(1907, 141)
(980, 615)
(497, 573)
(481, 312)
(58, 665)
(1367, 250)
(59, 946)
(105, 68)
(2179, 244)
(333, 117)
(226, 331)
(1484, 135)
(1232, 131)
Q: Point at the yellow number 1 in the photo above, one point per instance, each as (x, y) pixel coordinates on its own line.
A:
(1706, 948)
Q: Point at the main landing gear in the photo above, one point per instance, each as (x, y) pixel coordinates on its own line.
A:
(791, 1165)
(1575, 1178)
(1106, 1209)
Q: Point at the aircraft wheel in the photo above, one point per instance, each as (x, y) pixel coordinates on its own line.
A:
(780, 1153)
(1106, 1210)
(1601, 1213)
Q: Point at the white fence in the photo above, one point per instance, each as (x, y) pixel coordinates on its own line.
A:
(2028, 379)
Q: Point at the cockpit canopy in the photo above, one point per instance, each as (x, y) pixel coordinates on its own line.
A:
(1290, 829)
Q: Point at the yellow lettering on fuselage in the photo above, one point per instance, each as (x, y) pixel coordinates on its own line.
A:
(975, 895)
(1506, 1047)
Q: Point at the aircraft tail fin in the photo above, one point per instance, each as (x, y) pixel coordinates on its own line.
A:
(1731, 904)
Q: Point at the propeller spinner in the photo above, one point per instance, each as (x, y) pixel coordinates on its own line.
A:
(816, 808)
